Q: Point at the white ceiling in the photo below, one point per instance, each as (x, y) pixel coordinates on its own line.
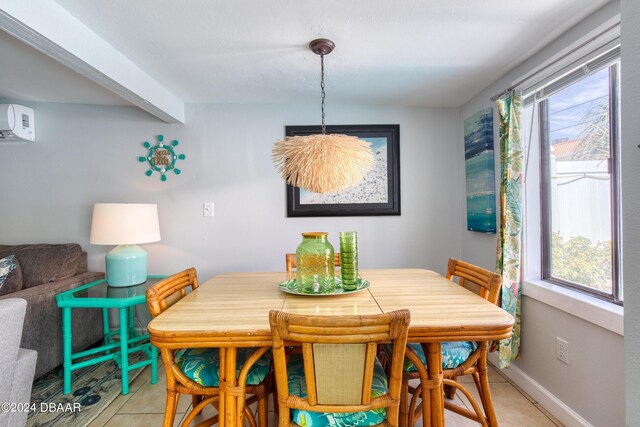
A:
(407, 52)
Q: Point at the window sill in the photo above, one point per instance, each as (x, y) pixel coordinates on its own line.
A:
(602, 313)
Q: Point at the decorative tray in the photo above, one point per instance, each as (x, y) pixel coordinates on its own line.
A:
(291, 287)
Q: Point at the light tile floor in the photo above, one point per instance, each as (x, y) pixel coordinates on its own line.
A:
(144, 406)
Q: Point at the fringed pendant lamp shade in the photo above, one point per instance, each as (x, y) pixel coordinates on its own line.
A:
(323, 163)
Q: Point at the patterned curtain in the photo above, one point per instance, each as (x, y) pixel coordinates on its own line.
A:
(509, 251)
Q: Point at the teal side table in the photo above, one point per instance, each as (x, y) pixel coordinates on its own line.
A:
(99, 295)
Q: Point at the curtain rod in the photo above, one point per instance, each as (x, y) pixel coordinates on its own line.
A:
(508, 91)
(571, 52)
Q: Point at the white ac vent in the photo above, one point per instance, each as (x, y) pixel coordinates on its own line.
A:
(17, 123)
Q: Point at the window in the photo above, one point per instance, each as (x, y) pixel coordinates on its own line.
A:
(578, 136)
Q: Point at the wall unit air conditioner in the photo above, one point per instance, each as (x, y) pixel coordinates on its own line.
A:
(17, 123)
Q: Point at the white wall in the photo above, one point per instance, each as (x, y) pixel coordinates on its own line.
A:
(86, 154)
(591, 387)
(630, 19)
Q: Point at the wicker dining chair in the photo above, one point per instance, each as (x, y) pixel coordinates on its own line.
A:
(290, 260)
(459, 358)
(196, 371)
(337, 379)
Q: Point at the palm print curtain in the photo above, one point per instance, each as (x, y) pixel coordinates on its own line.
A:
(509, 252)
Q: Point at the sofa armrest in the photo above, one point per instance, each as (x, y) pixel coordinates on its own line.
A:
(54, 288)
(82, 264)
(43, 321)
(12, 311)
(25, 369)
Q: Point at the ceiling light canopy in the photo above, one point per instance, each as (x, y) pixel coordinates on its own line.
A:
(323, 163)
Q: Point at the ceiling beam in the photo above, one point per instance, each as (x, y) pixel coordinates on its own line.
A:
(49, 28)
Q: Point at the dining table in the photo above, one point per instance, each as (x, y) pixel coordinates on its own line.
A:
(231, 310)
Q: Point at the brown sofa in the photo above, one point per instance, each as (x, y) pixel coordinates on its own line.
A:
(42, 271)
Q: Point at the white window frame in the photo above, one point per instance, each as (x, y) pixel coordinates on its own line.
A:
(603, 313)
(609, 61)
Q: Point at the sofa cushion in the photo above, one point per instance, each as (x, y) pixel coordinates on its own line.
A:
(44, 263)
(10, 275)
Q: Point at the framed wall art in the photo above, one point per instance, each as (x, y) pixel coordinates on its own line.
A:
(479, 171)
(377, 194)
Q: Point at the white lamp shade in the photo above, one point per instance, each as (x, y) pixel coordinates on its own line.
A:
(124, 224)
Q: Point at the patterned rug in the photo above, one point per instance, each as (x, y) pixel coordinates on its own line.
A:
(93, 389)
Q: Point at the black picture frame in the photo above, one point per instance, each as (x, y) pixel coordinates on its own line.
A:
(391, 207)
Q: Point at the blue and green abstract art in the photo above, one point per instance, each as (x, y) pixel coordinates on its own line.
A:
(480, 175)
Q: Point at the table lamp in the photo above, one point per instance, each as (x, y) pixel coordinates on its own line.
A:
(125, 225)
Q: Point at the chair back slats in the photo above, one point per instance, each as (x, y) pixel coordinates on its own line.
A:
(160, 297)
(339, 371)
(487, 285)
(309, 366)
(337, 330)
(339, 354)
(290, 261)
(361, 338)
(370, 355)
(168, 291)
(394, 375)
(484, 282)
(172, 299)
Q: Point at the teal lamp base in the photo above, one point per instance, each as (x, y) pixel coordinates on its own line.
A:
(126, 266)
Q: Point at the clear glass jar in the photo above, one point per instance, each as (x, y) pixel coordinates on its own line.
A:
(314, 264)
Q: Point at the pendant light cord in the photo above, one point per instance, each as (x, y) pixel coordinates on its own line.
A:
(324, 128)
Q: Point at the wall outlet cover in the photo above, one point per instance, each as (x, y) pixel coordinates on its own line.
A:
(562, 350)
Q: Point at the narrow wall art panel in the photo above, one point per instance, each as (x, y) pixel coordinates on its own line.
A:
(479, 169)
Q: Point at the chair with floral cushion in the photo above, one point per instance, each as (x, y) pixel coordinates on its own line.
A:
(196, 371)
(337, 380)
(458, 358)
(290, 261)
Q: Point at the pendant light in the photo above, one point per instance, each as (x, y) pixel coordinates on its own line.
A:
(322, 163)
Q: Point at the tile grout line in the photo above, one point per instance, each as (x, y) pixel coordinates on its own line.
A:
(530, 399)
(548, 415)
(107, 422)
(116, 413)
(128, 397)
(514, 385)
(461, 398)
(184, 415)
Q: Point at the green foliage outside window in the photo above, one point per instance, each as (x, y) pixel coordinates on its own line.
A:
(579, 260)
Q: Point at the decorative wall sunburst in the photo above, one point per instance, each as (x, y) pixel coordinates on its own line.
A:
(162, 158)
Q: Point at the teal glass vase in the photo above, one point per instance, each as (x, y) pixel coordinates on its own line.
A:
(314, 264)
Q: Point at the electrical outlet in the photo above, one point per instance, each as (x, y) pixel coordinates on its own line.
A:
(562, 350)
(207, 209)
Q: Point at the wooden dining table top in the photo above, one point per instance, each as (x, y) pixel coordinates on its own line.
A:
(232, 309)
